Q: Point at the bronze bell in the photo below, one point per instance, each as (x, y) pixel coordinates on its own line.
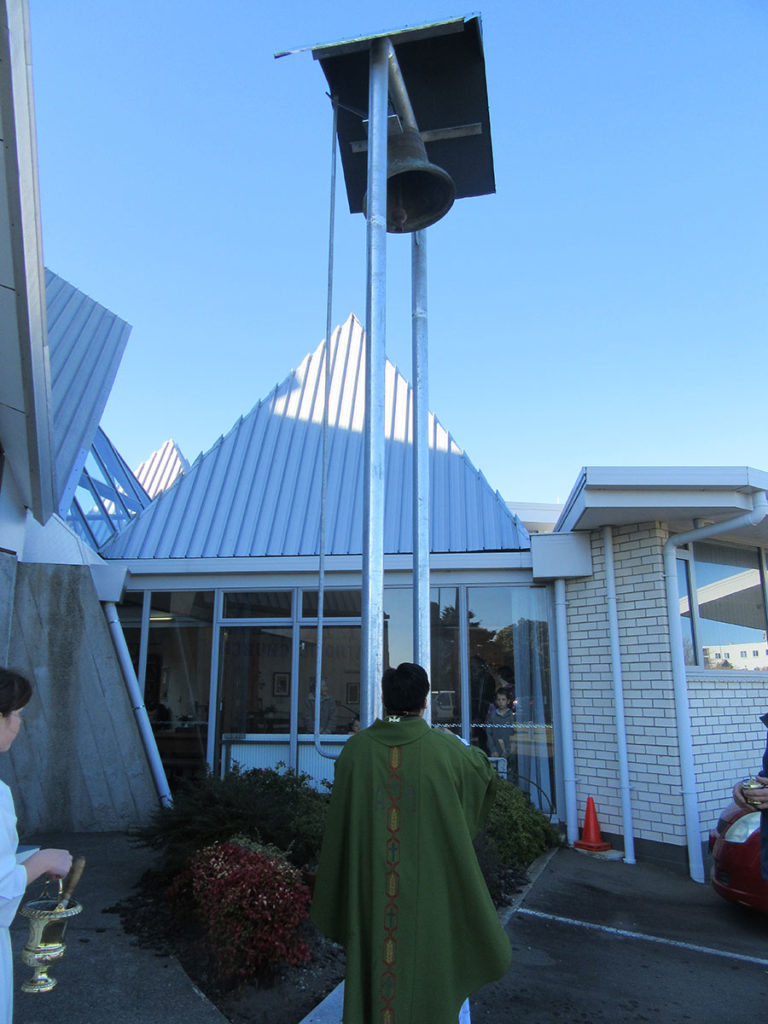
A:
(418, 193)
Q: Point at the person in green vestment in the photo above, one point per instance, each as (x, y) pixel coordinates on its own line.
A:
(398, 882)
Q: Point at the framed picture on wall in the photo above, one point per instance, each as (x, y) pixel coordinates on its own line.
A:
(353, 693)
(280, 684)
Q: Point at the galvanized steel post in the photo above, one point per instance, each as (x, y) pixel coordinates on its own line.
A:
(373, 483)
(421, 617)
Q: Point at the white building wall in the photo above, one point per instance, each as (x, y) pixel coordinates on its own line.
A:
(728, 737)
(654, 764)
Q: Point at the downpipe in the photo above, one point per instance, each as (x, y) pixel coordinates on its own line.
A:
(137, 703)
(680, 681)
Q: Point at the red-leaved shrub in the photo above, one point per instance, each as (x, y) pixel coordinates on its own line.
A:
(251, 905)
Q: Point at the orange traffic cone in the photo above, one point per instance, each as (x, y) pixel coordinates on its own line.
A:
(590, 837)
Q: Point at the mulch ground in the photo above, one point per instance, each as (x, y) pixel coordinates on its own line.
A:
(288, 995)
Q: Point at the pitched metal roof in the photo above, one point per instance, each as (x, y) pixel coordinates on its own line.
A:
(257, 491)
(86, 343)
(159, 471)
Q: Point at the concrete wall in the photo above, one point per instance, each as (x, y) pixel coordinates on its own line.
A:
(78, 763)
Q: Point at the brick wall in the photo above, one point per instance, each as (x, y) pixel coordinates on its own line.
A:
(651, 731)
(728, 737)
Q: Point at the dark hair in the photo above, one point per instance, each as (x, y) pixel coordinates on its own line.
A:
(15, 691)
(404, 688)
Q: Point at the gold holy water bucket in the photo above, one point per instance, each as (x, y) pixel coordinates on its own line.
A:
(47, 924)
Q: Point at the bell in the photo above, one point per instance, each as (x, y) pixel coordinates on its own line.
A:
(418, 193)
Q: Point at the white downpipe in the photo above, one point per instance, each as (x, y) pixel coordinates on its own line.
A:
(137, 702)
(682, 708)
(566, 717)
(618, 697)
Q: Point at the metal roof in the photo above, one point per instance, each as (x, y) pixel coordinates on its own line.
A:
(159, 471)
(257, 491)
(86, 343)
(443, 66)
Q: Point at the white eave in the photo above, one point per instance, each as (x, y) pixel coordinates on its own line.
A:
(25, 394)
(680, 496)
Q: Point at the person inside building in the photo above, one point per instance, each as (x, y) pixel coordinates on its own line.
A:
(398, 882)
(500, 721)
(15, 691)
(328, 711)
(758, 798)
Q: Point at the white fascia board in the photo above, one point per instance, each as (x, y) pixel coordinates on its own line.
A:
(658, 492)
(675, 477)
(203, 570)
(29, 447)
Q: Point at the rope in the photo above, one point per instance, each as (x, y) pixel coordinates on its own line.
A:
(324, 460)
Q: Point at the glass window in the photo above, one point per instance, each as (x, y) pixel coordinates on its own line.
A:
(445, 676)
(257, 604)
(729, 597)
(340, 679)
(510, 684)
(337, 604)
(255, 679)
(686, 618)
(177, 679)
(398, 625)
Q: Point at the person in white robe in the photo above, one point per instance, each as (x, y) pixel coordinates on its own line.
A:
(15, 691)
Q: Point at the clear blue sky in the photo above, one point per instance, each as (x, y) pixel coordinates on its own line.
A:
(606, 307)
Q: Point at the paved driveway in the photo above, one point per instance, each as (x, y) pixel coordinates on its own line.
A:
(602, 942)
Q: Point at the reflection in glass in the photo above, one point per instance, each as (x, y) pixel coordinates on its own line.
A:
(509, 653)
(177, 680)
(340, 685)
(254, 680)
(686, 618)
(337, 604)
(398, 626)
(257, 604)
(731, 609)
(445, 675)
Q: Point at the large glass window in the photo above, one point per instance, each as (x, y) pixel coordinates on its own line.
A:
(446, 657)
(255, 679)
(510, 684)
(340, 679)
(686, 615)
(729, 606)
(177, 679)
(257, 604)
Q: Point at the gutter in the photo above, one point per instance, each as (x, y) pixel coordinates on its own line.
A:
(680, 682)
(137, 703)
(566, 717)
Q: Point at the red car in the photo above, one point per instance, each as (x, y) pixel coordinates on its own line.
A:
(735, 848)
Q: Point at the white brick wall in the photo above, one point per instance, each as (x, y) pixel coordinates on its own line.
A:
(728, 738)
(654, 765)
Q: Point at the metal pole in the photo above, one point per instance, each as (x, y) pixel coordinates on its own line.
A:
(618, 697)
(373, 483)
(421, 617)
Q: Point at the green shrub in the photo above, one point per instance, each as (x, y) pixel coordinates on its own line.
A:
(251, 905)
(273, 807)
(516, 831)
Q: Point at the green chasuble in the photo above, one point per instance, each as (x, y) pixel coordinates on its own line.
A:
(399, 885)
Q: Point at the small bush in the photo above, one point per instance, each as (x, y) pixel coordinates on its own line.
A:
(272, 807)
(251, 905)
(516, 830)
